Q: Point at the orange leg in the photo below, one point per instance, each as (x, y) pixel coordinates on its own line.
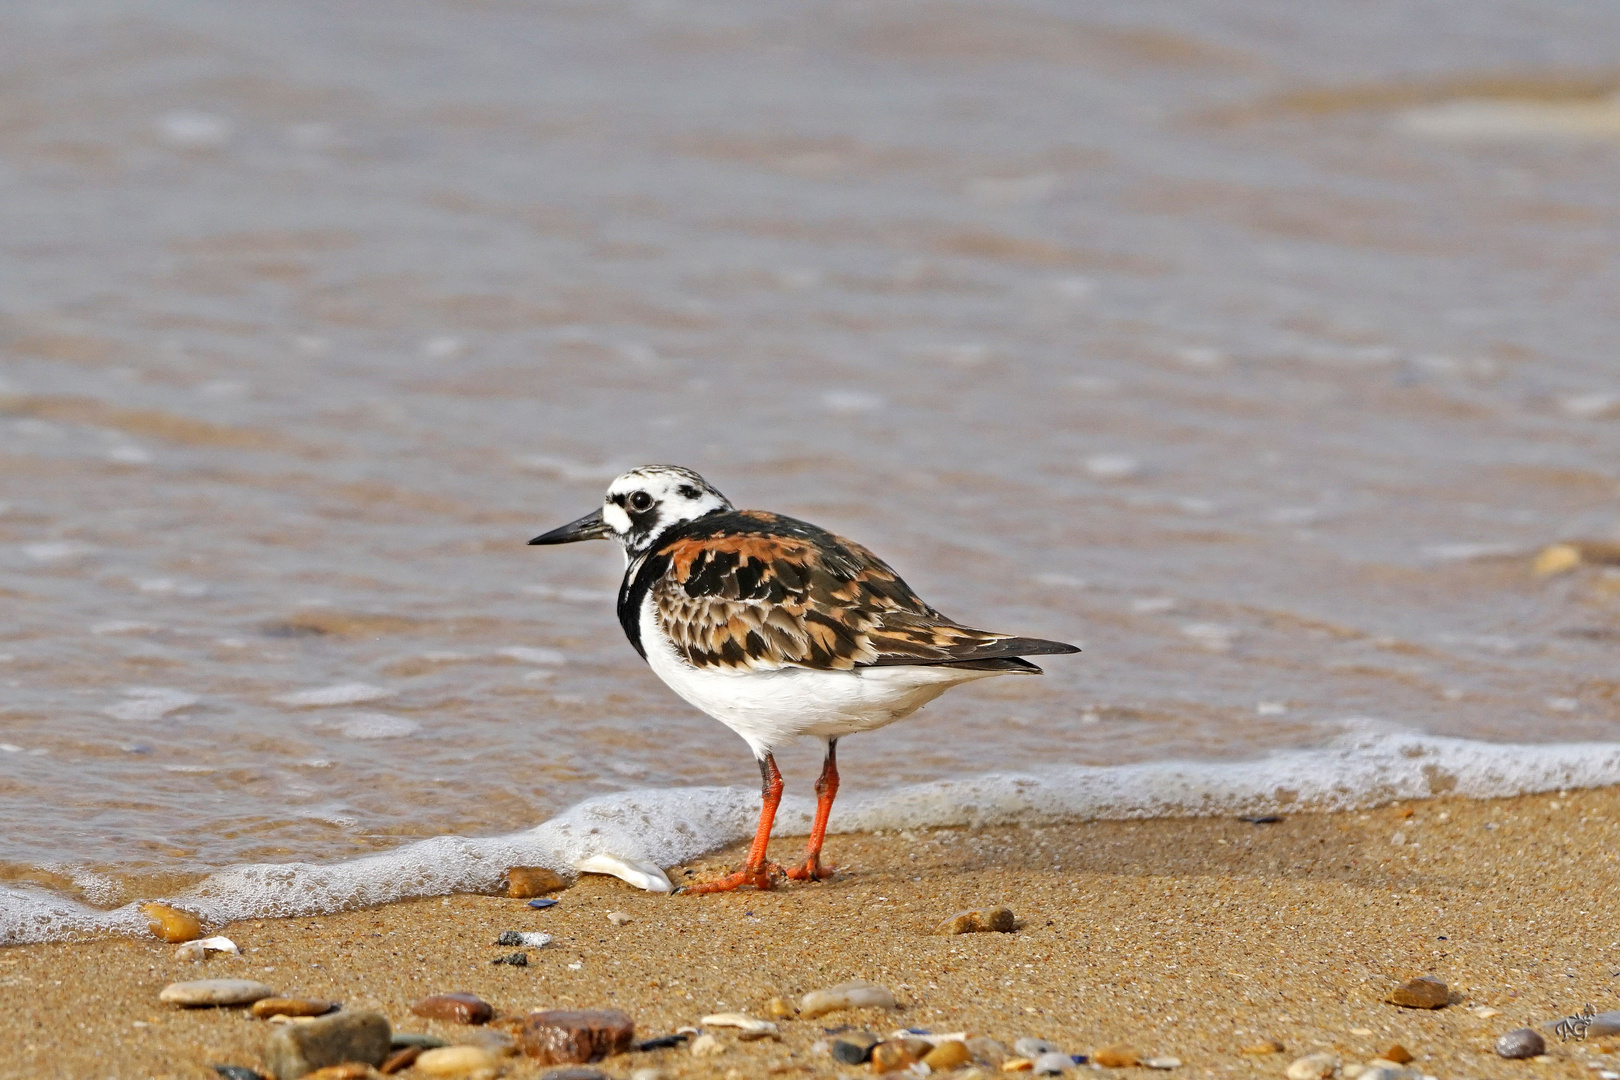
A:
(757, 872)
(826, 791)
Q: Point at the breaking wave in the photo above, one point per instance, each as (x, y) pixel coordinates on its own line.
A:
(666, 827)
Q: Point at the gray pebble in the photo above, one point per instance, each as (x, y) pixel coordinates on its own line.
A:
(1523, 1043)
(517, 959)
(215, 992)
(1050, 1063)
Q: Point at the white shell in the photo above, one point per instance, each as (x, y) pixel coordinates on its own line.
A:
(194, 951)
(738, 1020)
(643, 875)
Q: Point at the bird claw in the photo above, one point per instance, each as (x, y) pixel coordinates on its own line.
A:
(811, 870)
(762, 878)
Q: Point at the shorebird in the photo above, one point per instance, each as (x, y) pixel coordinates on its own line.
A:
(779, 630)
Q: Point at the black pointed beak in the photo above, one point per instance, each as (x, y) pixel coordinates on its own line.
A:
(589, 527)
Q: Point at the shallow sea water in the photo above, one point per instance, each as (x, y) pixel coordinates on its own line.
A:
(1254, 347)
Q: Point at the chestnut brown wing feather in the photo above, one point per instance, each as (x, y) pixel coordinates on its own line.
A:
(760, 592)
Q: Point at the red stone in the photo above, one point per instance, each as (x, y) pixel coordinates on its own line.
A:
(566, 1036)
(457, 1008)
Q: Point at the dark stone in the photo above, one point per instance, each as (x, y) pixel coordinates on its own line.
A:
(542, 903)
(1262, 819)
(517, 959)
(296, 1049)
(509, 937)
(575, 1072)
(576, 1036)
(663, 1042)
(855, 1047)
(458, 1008)
(411, 1038)
(237, 1072)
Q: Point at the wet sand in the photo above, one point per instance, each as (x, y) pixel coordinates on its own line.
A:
(1192, 937)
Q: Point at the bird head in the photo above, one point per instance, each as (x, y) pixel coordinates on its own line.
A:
(640, 506)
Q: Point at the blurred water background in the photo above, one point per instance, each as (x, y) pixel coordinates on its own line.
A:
(1256, 346)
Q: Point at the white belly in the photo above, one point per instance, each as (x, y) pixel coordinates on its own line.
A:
(769, 708)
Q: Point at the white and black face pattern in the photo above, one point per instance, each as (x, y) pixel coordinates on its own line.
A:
(644, 502)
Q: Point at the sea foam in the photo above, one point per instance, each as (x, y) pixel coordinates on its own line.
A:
(669, 826)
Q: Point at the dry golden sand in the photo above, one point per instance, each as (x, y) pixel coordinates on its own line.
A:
(1193, 938)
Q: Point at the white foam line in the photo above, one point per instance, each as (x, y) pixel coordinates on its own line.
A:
(666, 827)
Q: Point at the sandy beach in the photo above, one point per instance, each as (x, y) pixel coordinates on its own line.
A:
(1194, 938)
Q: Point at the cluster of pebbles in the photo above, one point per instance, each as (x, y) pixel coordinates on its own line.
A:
(315, 1039)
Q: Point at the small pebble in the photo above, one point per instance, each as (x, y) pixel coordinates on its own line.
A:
(1052, 1064)
(1165, 1063)
(780, 1008)
(1485, 1012)
(1269, 1046)
(574, 1072)
(1017, 1064)
(523, 882)
(1352, 1070)
(171, 924)
(543, 903)
(1118, 1056)
(663, 1042)
(737, 1020)
(648, 1074)
(348, 1070)
(854, 1047)
(1423, 992)
(411, 1038)
(1399, 1054)
(456, 1061)
(1523, 1043)
(532, 939)
(296, 1049)
(265, 1008)
(857, 994)
(1316, 1066)
(576, 1036)
(1034, 1048)
(707, 1045)
(999, 920)
(400, 1059)
(517, 959)
(202, 992)
(949, 1055)
(194, 951)
(987, 1051)
(459, 1008)
(619, 918)
(891, 1056)
(237, 1072)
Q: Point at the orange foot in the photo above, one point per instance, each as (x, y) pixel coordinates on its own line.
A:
(811, 870)
(760, 879)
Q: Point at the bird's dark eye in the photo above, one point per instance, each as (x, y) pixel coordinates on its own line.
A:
(640, 500)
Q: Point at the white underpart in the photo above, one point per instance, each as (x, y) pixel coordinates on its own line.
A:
(770, 708)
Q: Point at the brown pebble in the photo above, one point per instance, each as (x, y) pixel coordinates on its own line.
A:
(402, 1058)
(523, 882)
(1399, 1054)
(947, 1056)
(998, 920)
(1270, 1046)
(1017, 1065)
(1423, 992)
(780, 1009)
(171, 924)
(1118, 1056)
(891, 1056)
(349, 1070)
(458, 1008)
(576, 1036)
(265, 1008)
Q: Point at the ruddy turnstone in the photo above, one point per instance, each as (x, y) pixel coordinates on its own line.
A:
(779, 629)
